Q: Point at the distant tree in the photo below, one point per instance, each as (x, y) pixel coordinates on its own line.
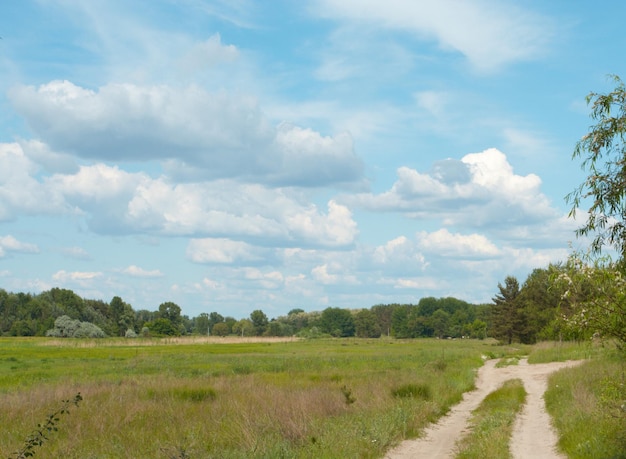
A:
(68, 302)
(537, 305)
(383, 313)
(439, 321)
(505, 319)
(366, 324)
(220, 329)
(201, 324)
(259, 322)
(400, 322)
(214, 318)
(170, 311)
(142, 316)
(230, 321)
(278, 328)
(162, 327)
(478, 329)
(338, 322)
(243, 327)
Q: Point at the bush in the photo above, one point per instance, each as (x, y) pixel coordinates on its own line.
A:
(66, 327)
(130, 333)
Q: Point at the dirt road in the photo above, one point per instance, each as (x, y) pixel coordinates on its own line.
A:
(533, 436)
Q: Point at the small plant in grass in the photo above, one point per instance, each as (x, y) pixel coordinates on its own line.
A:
(40, 434)
(508, 361)
(421, 391)
(347, 394)
(195, 395)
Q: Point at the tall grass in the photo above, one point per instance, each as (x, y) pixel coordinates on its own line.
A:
(241, 400)
(588, 405)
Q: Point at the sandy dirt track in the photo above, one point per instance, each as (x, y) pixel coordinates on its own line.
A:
(533, 435)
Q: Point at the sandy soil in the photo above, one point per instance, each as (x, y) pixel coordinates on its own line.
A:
(533, 435)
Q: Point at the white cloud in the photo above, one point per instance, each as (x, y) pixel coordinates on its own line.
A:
(208, 54)
(333, 275)
(221, 251)
(479, 190)
(196, 133)
(11, 244)
(79, 276)
(489, 33)
(20, 192)
(136, 271)
(446, 244)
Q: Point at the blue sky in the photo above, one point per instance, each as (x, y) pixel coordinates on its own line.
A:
(240, 155)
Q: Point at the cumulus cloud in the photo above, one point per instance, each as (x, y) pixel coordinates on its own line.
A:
(20, 191)
(196, 134)
(479, 190)
(446, 244)
(333, 275)
(489, 33)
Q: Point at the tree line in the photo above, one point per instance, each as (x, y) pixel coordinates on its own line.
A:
(563, 301)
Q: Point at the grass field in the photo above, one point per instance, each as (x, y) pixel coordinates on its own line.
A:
(201, 398)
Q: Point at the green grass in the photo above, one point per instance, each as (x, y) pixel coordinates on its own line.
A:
(588, 404)
(320, 398)
(492, 423)
(325, 398)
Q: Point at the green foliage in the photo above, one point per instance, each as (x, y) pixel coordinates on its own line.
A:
(366, 325)
(505, 317)
(337, 322)
(593, 299)
(603, 154)
(171, 312)
(259, 322)
(220, 329)
(162, 327)
(41, 434)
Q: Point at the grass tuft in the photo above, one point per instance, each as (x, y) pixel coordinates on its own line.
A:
(492, 423)
(418, 391)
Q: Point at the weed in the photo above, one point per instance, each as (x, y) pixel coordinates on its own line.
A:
(347, 394)
(40, 434)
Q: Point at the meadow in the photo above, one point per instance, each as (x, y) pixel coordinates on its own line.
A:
(200, 398)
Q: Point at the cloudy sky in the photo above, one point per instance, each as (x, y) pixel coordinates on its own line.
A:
(232, 155)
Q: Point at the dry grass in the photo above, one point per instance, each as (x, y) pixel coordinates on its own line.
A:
(178, 340)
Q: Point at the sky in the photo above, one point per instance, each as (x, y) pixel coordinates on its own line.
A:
(235, 155)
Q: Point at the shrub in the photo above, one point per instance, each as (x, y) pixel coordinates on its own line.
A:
(66, 327)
